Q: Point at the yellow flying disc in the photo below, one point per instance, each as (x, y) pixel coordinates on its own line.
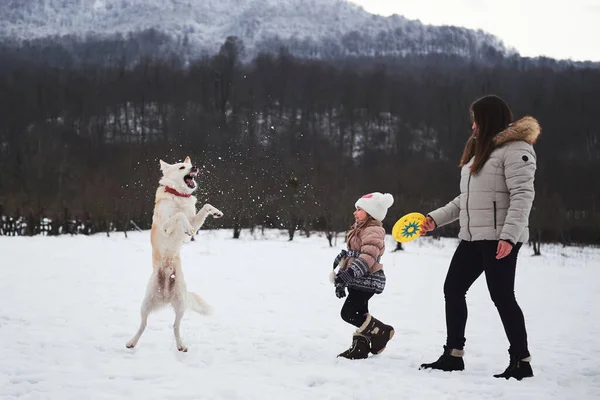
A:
(408, 227)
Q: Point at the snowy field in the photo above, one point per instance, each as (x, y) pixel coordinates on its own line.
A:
(69, 304)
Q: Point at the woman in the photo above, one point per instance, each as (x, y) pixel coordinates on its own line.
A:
(496, 195)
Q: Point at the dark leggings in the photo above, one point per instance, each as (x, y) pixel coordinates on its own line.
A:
(356, 307)
(470, 260)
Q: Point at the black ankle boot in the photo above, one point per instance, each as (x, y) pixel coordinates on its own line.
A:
(518, 368)
(451, 360)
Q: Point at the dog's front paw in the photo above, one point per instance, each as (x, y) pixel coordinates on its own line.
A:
(183, 348)
(216, 213)
(189, 230)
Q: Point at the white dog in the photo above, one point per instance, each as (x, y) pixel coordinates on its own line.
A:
(175, 220)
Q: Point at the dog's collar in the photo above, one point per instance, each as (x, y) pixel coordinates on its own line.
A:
(175, 192)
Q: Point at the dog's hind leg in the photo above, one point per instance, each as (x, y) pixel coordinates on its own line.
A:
(145, 311)
(179, 308)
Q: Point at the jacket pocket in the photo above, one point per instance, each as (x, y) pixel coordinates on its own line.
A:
(495, 219)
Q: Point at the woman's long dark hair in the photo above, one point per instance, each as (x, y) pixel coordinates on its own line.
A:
(491, 115)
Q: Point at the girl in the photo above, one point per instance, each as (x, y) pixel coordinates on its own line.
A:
(361, 272)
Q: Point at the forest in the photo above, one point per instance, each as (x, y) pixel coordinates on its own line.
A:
(280, 141)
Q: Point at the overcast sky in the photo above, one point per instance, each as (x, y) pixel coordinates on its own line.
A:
(553, 28)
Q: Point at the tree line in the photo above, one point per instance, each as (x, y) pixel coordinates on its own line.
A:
(284, 142)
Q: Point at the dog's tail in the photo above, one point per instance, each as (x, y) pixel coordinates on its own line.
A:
(196, 303)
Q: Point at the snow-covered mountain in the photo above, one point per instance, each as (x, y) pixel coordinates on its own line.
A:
(311, 28)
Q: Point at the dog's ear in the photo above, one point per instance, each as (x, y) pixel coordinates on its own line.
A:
(187, 160)
(163, 165)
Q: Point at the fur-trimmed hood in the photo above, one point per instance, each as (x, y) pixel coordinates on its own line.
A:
(495, 203)
(527, 129)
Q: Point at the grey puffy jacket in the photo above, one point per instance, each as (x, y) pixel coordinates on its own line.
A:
(495, 203)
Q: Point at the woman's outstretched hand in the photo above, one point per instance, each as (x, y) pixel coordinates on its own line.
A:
(427, 226)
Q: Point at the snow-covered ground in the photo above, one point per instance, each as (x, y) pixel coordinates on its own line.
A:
(69, 304)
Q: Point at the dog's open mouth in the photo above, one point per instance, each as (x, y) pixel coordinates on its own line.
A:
(189, 180)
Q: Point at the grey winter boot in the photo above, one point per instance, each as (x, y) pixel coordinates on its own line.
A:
(379, 333)
(359, 349)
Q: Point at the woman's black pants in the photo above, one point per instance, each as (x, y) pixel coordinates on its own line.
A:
(470, 260)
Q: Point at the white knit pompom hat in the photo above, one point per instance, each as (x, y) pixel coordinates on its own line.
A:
(376, 204)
